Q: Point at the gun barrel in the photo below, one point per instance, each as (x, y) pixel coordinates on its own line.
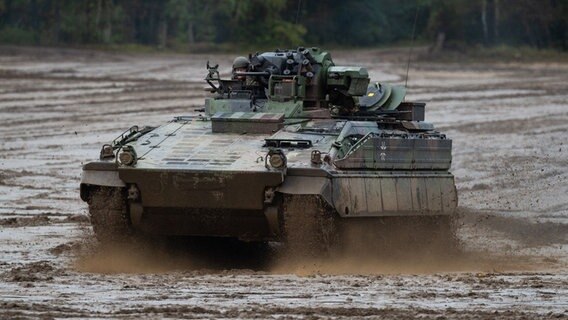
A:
(252, 73)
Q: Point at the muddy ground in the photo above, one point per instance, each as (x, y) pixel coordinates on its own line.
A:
(508, 121)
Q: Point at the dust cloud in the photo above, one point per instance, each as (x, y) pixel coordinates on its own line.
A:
(399, 248)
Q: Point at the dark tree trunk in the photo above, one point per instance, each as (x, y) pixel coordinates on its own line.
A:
(107, 25)
(496, 19)
(162, 33)
(191, 32)
(57, 26)
(484, 22)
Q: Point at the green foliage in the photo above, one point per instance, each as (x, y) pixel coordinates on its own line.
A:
(258, 22)
(284, 33)
(16, 36)
(193, 24)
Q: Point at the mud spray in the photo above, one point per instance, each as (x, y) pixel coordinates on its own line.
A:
(394, 248)
(402, 246)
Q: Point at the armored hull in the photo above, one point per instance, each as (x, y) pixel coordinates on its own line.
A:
(272, 170)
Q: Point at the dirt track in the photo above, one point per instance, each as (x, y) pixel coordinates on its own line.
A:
(508, 121)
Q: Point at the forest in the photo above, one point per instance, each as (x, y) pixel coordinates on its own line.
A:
(187, 24)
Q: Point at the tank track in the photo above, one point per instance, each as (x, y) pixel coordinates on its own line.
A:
(108, 211)
(309, 226)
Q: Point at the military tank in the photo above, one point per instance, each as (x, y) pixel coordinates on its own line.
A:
(286, 150)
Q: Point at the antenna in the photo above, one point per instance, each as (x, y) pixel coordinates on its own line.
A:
(411, 44)
(298, 11)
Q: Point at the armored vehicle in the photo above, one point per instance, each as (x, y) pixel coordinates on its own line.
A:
(286, 150)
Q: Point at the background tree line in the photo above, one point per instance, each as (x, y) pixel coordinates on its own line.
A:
(266, 23)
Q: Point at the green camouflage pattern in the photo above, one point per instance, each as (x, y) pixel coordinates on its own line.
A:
(214, 173)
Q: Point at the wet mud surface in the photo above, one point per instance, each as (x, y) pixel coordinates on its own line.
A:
(509, 125)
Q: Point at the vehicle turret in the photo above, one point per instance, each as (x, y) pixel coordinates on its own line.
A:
(298, 82)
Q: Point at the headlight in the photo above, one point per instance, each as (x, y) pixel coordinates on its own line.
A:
(127, 156)
(316, 157)
(276, 159)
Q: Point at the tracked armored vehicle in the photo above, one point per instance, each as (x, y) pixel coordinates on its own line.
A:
(288, 149)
